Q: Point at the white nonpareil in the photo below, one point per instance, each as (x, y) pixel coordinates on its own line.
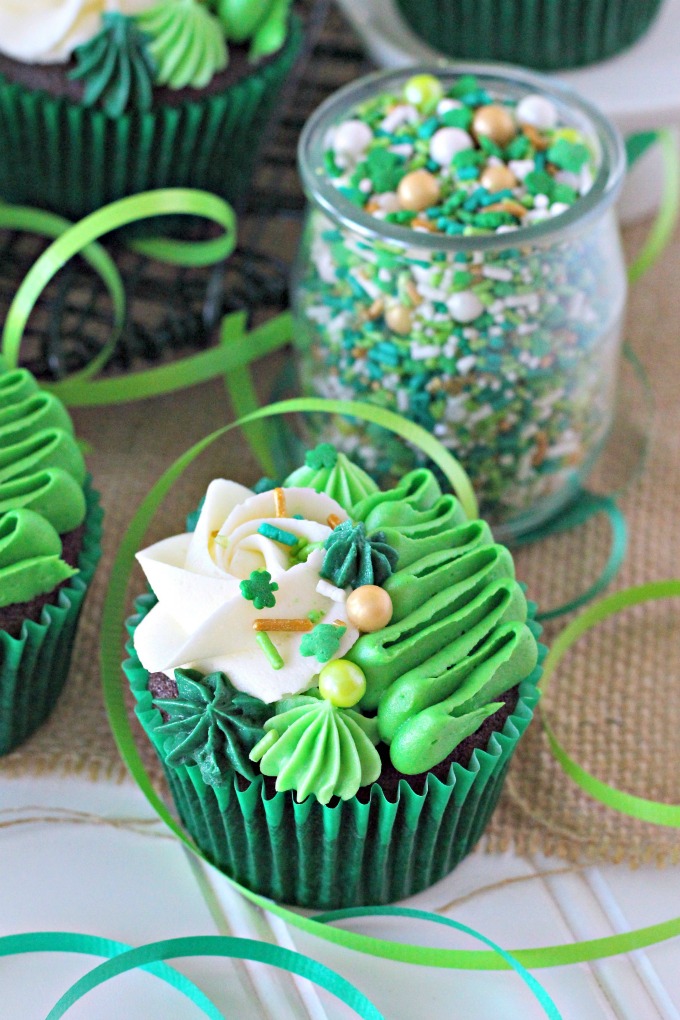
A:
(48, 31)
(202, 621)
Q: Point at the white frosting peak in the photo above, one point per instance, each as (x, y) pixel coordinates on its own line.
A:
(202, 621)
(48, 31)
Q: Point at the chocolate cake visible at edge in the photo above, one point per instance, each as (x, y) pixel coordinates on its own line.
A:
(12, 617)
(161, 686)
(54, 79)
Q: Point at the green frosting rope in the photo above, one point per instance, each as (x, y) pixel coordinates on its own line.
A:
(212, 725)
(30, 557)
(41, 488)
(314, 747)
(116, 66)
(186, 43)
(325, 470)
(353, 558)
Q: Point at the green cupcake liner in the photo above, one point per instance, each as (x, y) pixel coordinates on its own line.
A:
(544, 34)
(351, 854)
(72, 160)
(34, 666)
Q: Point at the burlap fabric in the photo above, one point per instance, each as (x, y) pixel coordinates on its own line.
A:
(616, 701)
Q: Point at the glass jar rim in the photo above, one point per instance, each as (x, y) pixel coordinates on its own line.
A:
(320, 190)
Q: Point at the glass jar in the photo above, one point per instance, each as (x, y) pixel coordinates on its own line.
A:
(509, 348)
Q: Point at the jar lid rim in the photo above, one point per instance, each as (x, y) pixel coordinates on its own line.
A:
(320, 190)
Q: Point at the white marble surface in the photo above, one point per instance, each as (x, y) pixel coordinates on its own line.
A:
(102, 865)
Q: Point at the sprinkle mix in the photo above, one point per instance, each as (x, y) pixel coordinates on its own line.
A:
(501, 353)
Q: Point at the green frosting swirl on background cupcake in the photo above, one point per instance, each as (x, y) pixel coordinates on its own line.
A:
(41, 488)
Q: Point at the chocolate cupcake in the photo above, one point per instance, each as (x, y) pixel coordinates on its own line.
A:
(547, 35)
(334, 679)
(50, 528)
(96, 105)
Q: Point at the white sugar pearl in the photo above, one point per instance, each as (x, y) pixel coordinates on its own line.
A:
(388, 201)
(446, 142)
(558, 207)
(541, 201)
(537, 111)
(465, 306)
(446, 105)
(352, 138)
(402, 114)
(521, 167)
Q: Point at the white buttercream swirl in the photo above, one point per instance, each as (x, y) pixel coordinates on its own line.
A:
(202, 621)
(48, 31)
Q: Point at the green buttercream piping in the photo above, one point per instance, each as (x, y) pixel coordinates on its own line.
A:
(52, 493)
(16, 386)
(212, 725)
(337, 477)
(116, 66)
(319, 749)
(41, 496)
(186, 43)
(353, 558)
(264, 22)
(418, 488)
(30, 557)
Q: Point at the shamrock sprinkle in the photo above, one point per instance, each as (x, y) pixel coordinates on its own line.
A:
(259, 589)
(323, 642)
(322, 456)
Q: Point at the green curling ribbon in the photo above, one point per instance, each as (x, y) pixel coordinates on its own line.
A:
(123, 958)
(582, 509)
(664, 223)
(625, 803)
(112, 627)
(75, 238)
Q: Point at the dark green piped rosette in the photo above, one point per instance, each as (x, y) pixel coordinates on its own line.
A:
(150, 101)
(378, 773)
(545, 34)
(50, 529)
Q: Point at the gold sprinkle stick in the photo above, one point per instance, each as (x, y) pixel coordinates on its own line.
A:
(280, 503)
(289, 625)
(333, 520)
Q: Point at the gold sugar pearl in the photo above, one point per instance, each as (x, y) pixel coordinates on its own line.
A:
(418, 190)
(399, 319)
(494, 122)
(369, 608)
(498, 178)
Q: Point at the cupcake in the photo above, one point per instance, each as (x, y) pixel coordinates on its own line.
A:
(99, 100)
(334, 679)
(50, 527)
(544, 34)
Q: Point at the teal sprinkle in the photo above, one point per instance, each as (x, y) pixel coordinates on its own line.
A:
(277, 534)
(468, 173)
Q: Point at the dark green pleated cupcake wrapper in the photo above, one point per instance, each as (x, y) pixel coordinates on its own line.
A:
(543, 34)
(62, 156)
(34, 666)
(347, 855)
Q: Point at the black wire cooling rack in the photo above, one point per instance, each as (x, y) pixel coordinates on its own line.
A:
(171, 309)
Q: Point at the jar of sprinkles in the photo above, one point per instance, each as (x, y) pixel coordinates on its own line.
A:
(461, 264)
